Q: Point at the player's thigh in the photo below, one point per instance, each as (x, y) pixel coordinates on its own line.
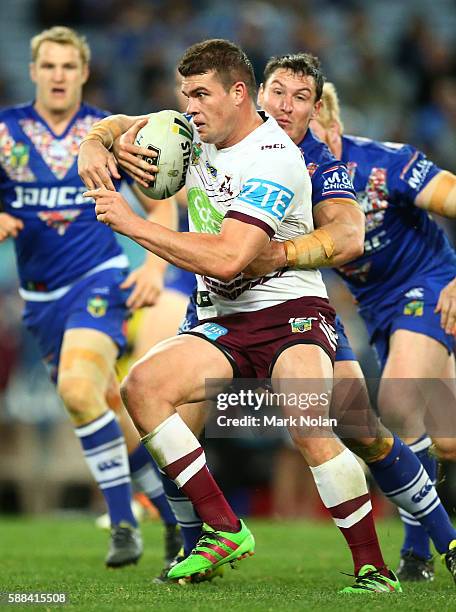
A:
(415, 355)
(160, 321)
(183, 369)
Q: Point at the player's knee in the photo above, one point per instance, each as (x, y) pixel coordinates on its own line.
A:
(81, 398)
(135, 386)
(370, 449)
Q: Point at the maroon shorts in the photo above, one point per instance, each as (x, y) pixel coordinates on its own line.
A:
(253, 341)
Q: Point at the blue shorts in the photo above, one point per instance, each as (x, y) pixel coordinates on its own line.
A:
(344, 350)
(190, 319)
(95, 302)
(411, 307)
(179, 280)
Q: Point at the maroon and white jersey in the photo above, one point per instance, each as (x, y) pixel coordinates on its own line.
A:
(262, 180)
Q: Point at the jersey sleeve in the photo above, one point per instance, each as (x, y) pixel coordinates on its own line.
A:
(269, 192)
(409, 171)
(330, 179)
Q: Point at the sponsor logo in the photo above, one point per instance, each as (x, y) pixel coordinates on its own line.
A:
(203, 299)
(49, 197)
(210, 330)
(271, 197)
(186, 151)
(97, 306)
(414, 308)
(19, 156)
(203, 215)
(336, 179)
(270, 147)
(110, 464)
(422, 493)
(197, 149)
(415, 172)
(300, 325)
(417, 293)
(60, 221)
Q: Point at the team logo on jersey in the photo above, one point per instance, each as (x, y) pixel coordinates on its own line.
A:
(60, 221)
(97, 306)
(300, 325)
(197, 149)
(20, 154)
(211, 170)
(226, 187)
(415, 308)
(311, 168)
(417, 293)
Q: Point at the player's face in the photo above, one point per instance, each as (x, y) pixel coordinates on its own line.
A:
(290, 98)
(213, 108)
(59, 74)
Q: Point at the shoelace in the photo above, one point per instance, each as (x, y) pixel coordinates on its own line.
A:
(372, 575)
(206, 537)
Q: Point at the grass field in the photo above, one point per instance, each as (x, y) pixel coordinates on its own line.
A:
(297, 567)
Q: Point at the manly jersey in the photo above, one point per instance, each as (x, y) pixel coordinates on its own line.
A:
(330, 177)
(39, 183)
(401, 239)
(261, 180)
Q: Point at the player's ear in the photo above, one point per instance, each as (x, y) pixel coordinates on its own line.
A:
(32, 71)
(239, 92)
(316, 110)
(260, 95)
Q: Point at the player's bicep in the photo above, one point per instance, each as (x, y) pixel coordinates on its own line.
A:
(439, 195)
(338, 211)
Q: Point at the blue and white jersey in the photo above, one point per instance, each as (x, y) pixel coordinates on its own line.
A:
(39, 183)
(330, 177)
(401, 239)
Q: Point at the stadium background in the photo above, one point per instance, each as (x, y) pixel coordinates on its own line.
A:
(394, 64)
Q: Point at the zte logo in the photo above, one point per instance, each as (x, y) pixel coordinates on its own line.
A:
(109, 465)
(49, 197)
(421, 494)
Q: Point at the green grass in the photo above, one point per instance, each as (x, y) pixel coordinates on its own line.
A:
(297, 567)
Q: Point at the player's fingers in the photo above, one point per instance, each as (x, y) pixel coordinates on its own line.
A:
(112, 167)
(444, 310)
(450, 317)
(129, 281)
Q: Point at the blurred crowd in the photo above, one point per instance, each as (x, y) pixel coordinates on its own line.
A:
(393, 63)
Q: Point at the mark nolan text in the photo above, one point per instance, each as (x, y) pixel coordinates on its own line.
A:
(274, 421)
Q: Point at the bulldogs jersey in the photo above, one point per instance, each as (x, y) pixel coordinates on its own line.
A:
(401, 239)
(39, 183)
(261, 180)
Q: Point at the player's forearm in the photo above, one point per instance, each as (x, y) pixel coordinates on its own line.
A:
(328, 246)
(108, 129)
(439, 195)
(204, 254)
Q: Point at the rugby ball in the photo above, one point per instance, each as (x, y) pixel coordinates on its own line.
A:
(170, 135)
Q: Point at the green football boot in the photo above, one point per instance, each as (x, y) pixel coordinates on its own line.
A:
(370, 580)
(213, 549)
(450, 559)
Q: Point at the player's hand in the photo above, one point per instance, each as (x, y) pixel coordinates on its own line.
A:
(9, 226)
(96, 165)
(447, 307)
(147, 283)
(131, 157)
(272, 258)
(113, 210)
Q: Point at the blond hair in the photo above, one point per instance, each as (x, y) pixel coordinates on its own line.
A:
(63, 36)
(330, 109)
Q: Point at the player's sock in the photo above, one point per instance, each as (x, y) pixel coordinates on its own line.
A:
(187, 519)
(343, 490)
(405, 482)
(105, 451)
(179, 454)
(145, 478)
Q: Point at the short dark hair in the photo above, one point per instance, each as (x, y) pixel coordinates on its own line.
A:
(299, 63)
(223, 57)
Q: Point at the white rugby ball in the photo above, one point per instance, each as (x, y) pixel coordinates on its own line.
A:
(170, 135)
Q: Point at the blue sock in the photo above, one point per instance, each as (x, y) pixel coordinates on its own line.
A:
(105, 451)
(146, 478)
(189, 522)
(405, 482)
